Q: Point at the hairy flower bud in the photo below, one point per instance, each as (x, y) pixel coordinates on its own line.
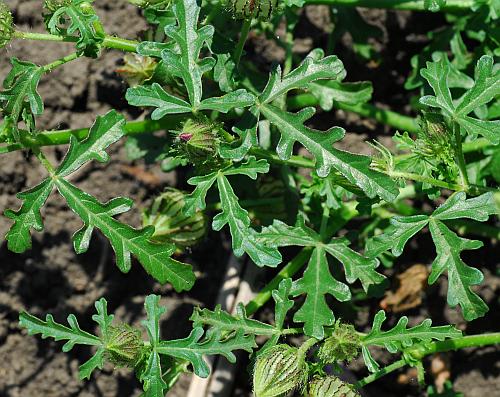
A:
(137, 69)
(171, 225)
(199, 141)
(6, 25)
(247, 9)
(279, 370)
(124, 345)
(331, 386)
(343, 345)
(52, 6)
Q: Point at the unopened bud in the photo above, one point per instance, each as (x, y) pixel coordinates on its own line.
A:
(343, 345)
(52, 6)
(124, 345)
(6, 25)
(248, 9)
(331, 386)
(199, 141)
(171, 224)
(278, 371)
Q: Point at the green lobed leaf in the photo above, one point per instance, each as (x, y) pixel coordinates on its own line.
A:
(313, 68)
(151, 376)
(282, 304)
(235, 99)
(246, 129)
(154, 311)
(356, 266)
(244, 238)
(155, 258)
(402, 229)
(316, 283)
(20, 89)
(95, 362)
(221, 321)
(184, 61)
(400, 337)
(102, 318)
(50, 329)
(460, 276)
(486, 87)
(193, 348)
(330, 92)
(354, 167)
(77, 16)
(28, 216)
(155, 96)
(106, 130)
(196, 200)
(458, 206)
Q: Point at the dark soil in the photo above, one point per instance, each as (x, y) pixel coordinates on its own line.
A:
(51, 278)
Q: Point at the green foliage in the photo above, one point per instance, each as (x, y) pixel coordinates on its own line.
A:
(244, 238)
(317, 280)
(20, 90)
(399, 338)
(75, 16)
(485, 89)
(233, 127)
(448, 246)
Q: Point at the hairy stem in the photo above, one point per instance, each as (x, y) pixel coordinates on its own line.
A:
(410, 5)
(108, 42)
(377, 375)
(51, 66)
(420, 352)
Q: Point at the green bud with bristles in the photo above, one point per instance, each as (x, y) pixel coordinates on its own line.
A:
(171, 224)
(124, 346)
(343, 345)
(199, 141)
(278, 371)
(6, 25)
(53, 5)
(331, 386)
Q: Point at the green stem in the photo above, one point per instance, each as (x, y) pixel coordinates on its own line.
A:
(384, 371)
(304, 348)
(462, 167)
(288, 271)
(45, 162)
(245, 29)
(388, 117)
(108, 42)
(51, 66)
(419, 352)
(410, 5)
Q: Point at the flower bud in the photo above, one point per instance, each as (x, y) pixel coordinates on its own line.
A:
(331, 386)
(124, 345)
(171, 225)
(343, 345)
(6, 25)
(137, 69)
(199, 141)
(278, 371)
(247, 9)
(53, 5)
